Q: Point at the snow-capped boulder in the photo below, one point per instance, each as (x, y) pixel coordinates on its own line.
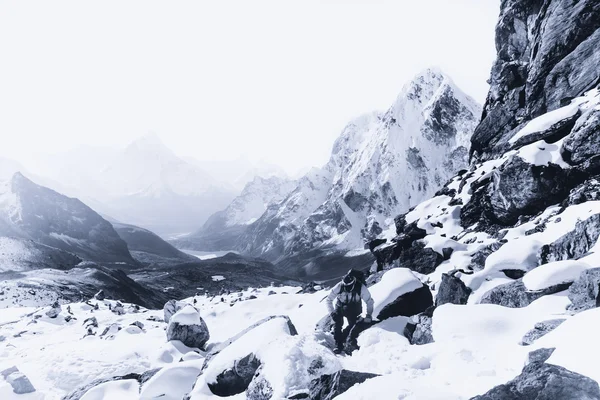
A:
(545, 381)
(539, 330)
(187, 326)
(19, 382)
(452, 290)
(122, 387)
(328, 387)
(171, 382)
(584, 291)
(554, 273)
(573, 244)
(515, 294)
(170, 308)
(550, 127)
(54, 310)
(399, 292)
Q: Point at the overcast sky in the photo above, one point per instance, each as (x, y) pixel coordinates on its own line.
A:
(274, 80)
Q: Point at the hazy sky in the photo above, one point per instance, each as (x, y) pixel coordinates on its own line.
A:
(276, 80)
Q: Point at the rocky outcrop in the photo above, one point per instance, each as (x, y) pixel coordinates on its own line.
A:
(235, 380)
(584, 291)
(419, 329)
(452, 290)
(540, 329)
(170, 308)
(259, 388)
(575, 243)
(19, 382)
(188, 327)
(545, 381)
(54, 310)
(547, 55)
(408, 304)
(328, 387)
(584, 141)
(515, 294)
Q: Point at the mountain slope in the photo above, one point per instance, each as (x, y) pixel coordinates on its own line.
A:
(223, 229)
(30, 211)
(380, 165)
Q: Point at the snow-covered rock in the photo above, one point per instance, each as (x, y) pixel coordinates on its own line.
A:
(553, 274)
(399, 292)
(187, 326)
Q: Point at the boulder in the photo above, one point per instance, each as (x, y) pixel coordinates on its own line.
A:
(452, 290)
(54, 310)
(188, 327)
(584, 140)
(520, 188)
(237, 379)
(78, 393)
(539, 330)
(100, 295)
(19, 382)
(408, 304)
(515, 294)
(574, 244)
(259, 388)
(584, 291)
(419, 330)
(539, 355)
(419, 258)
(545, 381)
(328, 387)
(170, 308)
(118, 308)
(589, 190)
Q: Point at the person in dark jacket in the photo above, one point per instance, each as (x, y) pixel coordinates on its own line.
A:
(348, 296)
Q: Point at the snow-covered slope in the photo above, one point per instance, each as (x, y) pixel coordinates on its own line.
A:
(29, 211)
(382, 164)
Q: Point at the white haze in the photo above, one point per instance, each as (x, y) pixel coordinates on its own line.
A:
(269, 81)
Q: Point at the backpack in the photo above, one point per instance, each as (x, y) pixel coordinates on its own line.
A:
(360, 280)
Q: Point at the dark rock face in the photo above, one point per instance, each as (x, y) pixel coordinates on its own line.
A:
(515, 294)
(236, 380)
(584, 291)
(452, 290)
(547, 54)
(587, 191)
(584, 141)
(259, 388)
(478, 258)
(19, 382)
(540, 355)
(328, 387)
(539, 330)
(192, 335)
(522, 188)
(419, 331)
(408, 304)
(556, 132)
(545, 381)
(420, 259)
(574, 244)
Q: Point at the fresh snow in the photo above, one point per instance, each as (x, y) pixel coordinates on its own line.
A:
(554, 273)
(188, 315)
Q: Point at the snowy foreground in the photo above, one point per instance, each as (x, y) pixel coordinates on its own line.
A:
(476, 347)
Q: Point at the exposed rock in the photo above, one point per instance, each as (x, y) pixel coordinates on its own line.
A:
(408, 304)
(54, 310)
(452, 290)
(547, 54)
(515, 294)
(118, 308)
(170, 308)
(545, 381)
(90, 322)
(329, 386)
(19, 382)
(259, 388)
(584, 141)
(188, 327)
(478, 258)
(539, 330)
(540, 355)
(138, 324)
(100, 295)
(520, 188)
(574, 244)
(419, 258)
(584, 291)
(236, 380)
(111, 330)
(553, 134)
(419, 331)
(587, 191)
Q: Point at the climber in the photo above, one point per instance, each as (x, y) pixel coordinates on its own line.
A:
(349, 293)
